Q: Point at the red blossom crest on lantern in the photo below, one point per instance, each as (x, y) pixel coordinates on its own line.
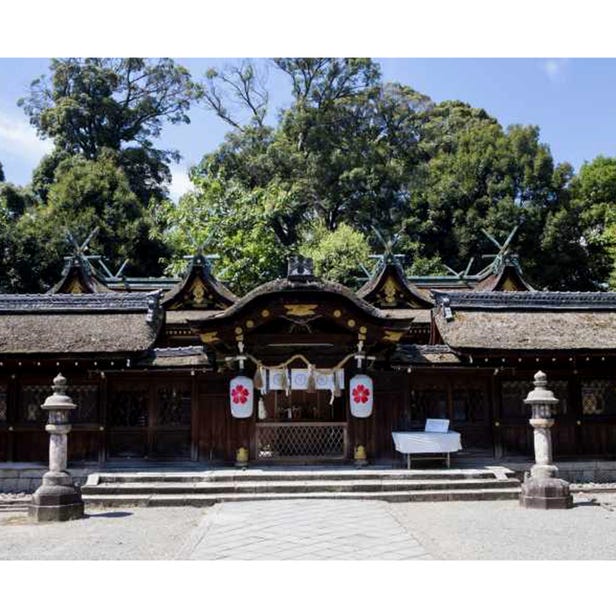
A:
(239, 394)
(361, 394)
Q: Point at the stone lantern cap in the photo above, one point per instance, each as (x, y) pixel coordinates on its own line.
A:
(541, 394)
(58, 401)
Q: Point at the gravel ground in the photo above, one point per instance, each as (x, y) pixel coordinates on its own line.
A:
(502, 530)
(128, 534)
(499, 530)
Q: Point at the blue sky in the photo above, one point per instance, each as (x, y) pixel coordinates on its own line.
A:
(573, 101)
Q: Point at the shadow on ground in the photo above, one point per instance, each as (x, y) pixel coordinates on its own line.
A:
(109, 514)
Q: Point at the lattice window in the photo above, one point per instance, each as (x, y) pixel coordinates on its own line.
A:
(514, 393)
(300, 441)
(468, 405)
(3, 407)
(174, 406)
(129, 408)
(85, 397)
(599, 397)
(30, 399)
(561, 392)
(431, 403)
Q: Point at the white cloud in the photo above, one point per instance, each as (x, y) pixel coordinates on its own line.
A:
(180, 183)
(554, 68)
(19, 139)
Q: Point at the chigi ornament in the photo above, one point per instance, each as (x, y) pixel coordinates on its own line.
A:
(241, 397)
(361, 394)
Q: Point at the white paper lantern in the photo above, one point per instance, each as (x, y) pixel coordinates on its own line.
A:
(241, 397)
(361, 393)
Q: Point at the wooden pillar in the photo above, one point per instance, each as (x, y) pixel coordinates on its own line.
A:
(12, 402)
(194, 418)
(495, 416)
(103, 402)
(575, 399)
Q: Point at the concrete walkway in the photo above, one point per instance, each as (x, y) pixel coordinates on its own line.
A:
(322, 529)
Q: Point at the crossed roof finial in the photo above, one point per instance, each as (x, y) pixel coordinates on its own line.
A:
(503, 256)
(199, 255)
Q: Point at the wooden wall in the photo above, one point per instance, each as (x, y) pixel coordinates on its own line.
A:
(485, 405)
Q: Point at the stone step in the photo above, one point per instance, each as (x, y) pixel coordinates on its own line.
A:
(13, 506)
(305, 487)
(205, 500)
(225, 476)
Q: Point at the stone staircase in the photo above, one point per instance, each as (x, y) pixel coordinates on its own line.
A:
(201, 489)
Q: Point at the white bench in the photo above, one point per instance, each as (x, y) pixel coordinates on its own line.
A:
(436, 438)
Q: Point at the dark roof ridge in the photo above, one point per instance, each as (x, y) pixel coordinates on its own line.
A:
(114, 301)
(550, 300)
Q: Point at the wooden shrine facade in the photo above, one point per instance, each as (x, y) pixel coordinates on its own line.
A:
(150, 371)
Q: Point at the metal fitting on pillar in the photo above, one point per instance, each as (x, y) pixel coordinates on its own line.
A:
(542, 489)
(57, 499)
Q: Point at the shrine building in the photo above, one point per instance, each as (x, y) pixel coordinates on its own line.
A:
(302, 369)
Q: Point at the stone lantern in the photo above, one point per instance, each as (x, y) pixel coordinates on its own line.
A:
(57, 499)
(542, 489)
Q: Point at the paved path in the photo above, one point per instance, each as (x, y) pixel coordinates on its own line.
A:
(303, 529)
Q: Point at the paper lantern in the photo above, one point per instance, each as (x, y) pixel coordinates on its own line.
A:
(241, 397)
(361, 393)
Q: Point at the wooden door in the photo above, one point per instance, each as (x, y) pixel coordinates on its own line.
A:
(462, 397)
(149, 419)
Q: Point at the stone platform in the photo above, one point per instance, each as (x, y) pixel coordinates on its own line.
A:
(120, 489)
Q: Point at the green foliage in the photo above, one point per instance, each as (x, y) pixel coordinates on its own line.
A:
(338, 254)
(593, 200)
(91, 105)
(102, 115)
(18, 272)
(225, 218)
(349, 153)
(85, 194)
(356, 150)
(479, 176)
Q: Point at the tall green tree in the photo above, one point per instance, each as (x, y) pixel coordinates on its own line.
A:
(14, 202)
(103, 115)
(475, 176)
(90, 105)
(340, 152)
(353, 149)
(85, 194)
(593, 202)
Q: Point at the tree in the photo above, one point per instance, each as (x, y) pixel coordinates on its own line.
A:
(225, 218)
(14, 202)
(593, 201)
(85, 194)
(478, 176)
(92, 105)
(341, 152)
(354, 150)
(337, 255)
(1, 172)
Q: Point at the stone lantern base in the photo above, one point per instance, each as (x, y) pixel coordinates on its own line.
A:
(545, 493)
(56, 500)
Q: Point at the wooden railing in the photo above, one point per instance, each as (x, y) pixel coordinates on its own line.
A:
(305, 440)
